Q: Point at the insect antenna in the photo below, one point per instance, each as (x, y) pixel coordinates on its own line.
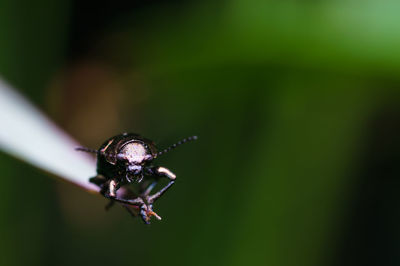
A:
(86, 149)
(173, 146)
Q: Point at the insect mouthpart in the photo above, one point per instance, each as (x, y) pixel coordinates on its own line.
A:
(134, 169)
(134, 173)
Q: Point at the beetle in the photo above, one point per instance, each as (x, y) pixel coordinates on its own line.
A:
(127, 158)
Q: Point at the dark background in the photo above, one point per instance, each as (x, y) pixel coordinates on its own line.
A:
(296, 105)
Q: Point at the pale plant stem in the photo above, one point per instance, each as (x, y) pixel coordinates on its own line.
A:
(29, 135)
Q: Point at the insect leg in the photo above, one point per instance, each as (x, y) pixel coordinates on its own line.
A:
(157, 195)
(109, 190)
(149, 188)
(136, 202)
(160, 171)
(146, 211)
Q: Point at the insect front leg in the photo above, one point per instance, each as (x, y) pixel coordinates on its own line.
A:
(159, 172)
(109, 190)
(157, 195)
(146, 211)
(108, 187)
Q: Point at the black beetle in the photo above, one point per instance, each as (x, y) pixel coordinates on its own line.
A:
(127, 158)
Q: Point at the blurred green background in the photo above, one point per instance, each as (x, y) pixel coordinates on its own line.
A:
(296, 105)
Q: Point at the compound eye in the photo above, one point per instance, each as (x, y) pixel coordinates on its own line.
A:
(121, 157)
(148, 157)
